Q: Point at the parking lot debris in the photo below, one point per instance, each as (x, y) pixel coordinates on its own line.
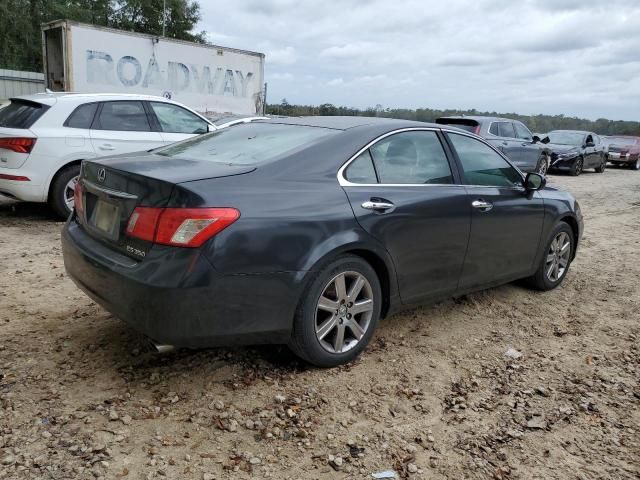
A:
(384, 474)
(513, 353)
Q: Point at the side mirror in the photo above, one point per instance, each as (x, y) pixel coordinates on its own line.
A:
(211, 128)
(535, 139)
(534, 182)
(589, 144)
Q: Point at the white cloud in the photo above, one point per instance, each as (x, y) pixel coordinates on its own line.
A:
(575, 57)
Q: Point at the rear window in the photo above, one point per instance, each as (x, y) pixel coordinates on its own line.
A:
(461, 123)
(82, 117)
(247, 144)
(21, 114)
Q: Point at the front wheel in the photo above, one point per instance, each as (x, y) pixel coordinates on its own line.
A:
(636, 165)
(576, 168)
(556, 259)
(543, 164)
(61, 193)
(337, 313)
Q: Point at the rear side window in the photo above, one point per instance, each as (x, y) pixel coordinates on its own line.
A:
(411, 158)
(506, 130)
(82, 117)
(21, 114)
(128, 116)
(361, 169)
(482, 165)
(493, 129)
(174, 119)
(247, 143)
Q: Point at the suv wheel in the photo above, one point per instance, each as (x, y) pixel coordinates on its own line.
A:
(543, 164)
(61, 193)
(556, 259)
(576, 168)
(338, 313)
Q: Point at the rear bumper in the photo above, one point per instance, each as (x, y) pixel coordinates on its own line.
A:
(27, 191)
(176, 297)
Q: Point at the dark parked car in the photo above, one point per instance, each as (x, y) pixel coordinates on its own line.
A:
(575, 150)
(511, 137)
(306, 231)
(623, 150)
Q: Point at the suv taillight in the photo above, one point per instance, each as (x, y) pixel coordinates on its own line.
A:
(181, 227)
(17, 144)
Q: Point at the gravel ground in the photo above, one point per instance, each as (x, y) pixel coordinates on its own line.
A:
(433, 397)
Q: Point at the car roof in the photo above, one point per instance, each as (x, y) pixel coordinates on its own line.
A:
(346, 122)
(51, 98)
(573, 131)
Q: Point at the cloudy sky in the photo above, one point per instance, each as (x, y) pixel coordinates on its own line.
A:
(572, 57)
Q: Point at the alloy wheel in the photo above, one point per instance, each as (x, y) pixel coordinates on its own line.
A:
(544, 165)
(68, 192)
(558, 257)
(343, 312)
(578, 166)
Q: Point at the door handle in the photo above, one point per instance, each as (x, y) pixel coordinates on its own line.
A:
(482, 205)
(380, 205)
(106, 146)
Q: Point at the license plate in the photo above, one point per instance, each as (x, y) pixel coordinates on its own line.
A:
(105, 216)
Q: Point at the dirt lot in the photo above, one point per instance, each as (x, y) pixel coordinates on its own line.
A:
(433, 397)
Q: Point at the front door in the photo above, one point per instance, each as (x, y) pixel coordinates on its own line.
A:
(506, 221)
(404, 194)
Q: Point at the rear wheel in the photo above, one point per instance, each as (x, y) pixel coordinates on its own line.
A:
(543, 164)
(338, 313)
(61, 193)
(603, 164)
(576, 168)
(556, 259)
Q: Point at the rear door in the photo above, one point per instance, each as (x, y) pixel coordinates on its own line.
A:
(506, 222)
(403, 191)
(123, 126)
(176, 123)
(527, 153)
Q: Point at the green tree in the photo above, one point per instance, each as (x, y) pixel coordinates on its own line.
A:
(20, 21)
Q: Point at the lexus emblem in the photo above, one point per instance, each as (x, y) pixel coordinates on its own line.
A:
(101, 175)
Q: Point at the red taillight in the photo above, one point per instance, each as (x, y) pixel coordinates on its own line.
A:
(18, 144)
(182, 227)
(78, 204)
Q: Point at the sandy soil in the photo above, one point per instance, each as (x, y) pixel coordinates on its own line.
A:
(433, 397)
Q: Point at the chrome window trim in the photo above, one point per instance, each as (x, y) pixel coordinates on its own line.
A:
(346, 183)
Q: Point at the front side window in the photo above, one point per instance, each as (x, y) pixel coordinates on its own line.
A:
(415, 157)
(82, 117)
(126, 116)
(506, 130)
(522, 132)
(482, 165)
(174, 119)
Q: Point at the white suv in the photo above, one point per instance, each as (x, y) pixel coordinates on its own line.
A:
(44, 137)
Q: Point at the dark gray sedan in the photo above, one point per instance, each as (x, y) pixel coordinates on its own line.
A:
(511, 137)
(307, 231)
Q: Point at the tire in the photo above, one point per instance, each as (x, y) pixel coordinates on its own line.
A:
(542, 280)
(323, 349)
(543, 164)
(60, 188)
(576, 168)
(603, 165)
(636, 165)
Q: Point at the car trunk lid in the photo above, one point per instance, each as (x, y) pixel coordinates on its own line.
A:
(111, 189)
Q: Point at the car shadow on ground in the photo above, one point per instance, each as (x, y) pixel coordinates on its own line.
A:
(27, 211)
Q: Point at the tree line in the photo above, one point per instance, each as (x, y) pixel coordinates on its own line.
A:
(536, 123)
(20, 21)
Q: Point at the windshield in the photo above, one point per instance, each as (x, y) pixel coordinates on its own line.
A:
(621, 141)
(21, 114)
(247, 144)
(566, 138)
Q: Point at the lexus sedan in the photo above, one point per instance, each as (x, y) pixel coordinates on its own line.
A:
(575, 150)
(624, 150)
(513, 138)
(306, 231)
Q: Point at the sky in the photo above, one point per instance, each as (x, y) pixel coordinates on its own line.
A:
(572, 57)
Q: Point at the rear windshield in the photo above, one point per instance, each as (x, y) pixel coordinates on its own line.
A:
(247, 144)
(21, 114)
(461, 123)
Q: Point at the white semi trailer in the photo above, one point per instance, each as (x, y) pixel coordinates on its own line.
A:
(91, 59)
